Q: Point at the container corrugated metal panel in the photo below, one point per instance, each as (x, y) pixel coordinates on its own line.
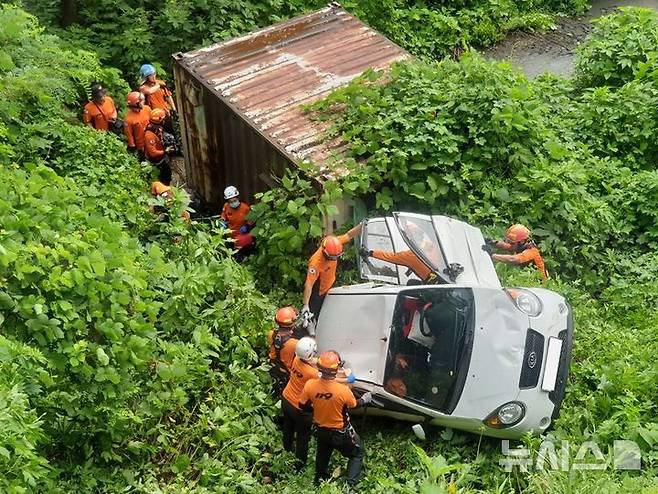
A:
(241, 100)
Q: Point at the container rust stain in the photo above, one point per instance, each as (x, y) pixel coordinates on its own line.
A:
(241, 100)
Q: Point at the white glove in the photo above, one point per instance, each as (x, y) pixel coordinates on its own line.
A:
(366, 397)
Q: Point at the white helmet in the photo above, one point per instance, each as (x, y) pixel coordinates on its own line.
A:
(230, 192)
(306, 348)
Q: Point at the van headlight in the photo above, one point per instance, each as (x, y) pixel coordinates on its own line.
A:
(526, 301)
(506, 415)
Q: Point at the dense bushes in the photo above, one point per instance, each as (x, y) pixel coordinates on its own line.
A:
(621, 48)
(126, 344)
(128, 359)
(137, 31)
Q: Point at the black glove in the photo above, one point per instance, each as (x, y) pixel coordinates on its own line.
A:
(365, 253)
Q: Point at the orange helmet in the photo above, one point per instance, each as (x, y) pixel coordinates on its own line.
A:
(158, 115)
(329, 363)
(134, 98)
(158, 188)
(332, 247)
(517, 233)
(286, 317)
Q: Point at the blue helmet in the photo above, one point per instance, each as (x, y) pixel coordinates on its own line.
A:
(146, 70)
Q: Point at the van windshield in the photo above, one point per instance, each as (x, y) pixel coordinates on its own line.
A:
(430, 347)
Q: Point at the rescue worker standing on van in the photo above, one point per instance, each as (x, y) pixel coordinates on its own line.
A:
(405, 258)
(281, 341)
(154, 147)
(525, 251)
(321, 273)
(137, 119)
(330, 401)
(296, 422)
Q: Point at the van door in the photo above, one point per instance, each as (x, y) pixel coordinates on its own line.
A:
(451, 248)
(383, 234)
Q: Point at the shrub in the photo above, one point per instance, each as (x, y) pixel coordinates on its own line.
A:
(620, 47)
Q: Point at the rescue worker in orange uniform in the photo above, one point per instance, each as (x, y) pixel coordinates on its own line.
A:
(154, 147)
(330, 401)
(405, 258)
(321, 273)
(157, 94)
(137, 119)
(296, 422)
(234, 217)
(525, 251)
(281, 341)
(162, 191)
(99, 113)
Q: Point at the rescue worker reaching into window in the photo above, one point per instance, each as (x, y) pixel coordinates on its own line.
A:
(281, 341)
(296, 422)
(137, 120)
(234, 217)
(330, 401)
(321, 273)
(154, 147)
(99, 113)
(525, 251)
(157, 94)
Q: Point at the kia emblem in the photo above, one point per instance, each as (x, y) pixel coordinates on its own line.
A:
(532, 360)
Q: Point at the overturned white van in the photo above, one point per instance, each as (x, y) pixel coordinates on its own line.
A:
(463, 352)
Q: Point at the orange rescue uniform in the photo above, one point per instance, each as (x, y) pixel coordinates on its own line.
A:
(100, 115)
(405, 258)
(135, 128)
(331, 401)
(323, 269)
(235, 218)
(529, 255)
(158, 98)
(153, 147)
(300, 373)
(286, 354)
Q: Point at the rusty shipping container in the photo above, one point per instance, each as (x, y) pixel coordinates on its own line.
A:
(240, 101)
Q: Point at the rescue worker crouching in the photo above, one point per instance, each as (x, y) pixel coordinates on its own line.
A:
(137, 120)
(330, 400)
(234, 217)
(282, 342)
(321, 273)
(154, 147)
(297, 423)
(525, 251)
(162, 191)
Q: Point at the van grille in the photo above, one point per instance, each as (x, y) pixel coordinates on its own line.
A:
(532, 359)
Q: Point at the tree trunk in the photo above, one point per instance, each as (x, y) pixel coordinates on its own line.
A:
(67, 12)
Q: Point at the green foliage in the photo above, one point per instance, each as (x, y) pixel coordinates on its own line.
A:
(131, 33)
(289, 225)
(618, 122)
(129, 360)
(22, 375)
(621, 48)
